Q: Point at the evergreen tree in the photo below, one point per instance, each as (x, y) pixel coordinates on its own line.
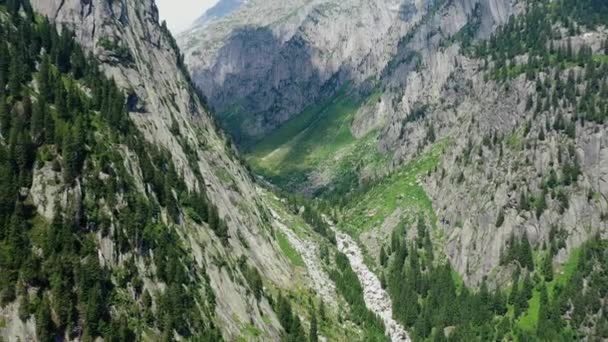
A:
(5, 118)
(541, 205)
(313, 334)
(4, 65)
(39, 114)
(16, 77)
(71, 152)
(501, 218)
(383, 257)
(525, 257)
(545, 326)
(547, 268)
(44, 325)
(514, 288)
(322, 311)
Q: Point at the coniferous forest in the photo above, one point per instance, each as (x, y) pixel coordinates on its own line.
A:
(55, 108)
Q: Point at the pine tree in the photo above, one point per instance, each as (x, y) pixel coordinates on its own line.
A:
(4, 66)
(24, 302)
(525, 256)
(27, 110)
(514, 294)
(44, 325)
(70, 157)
(544, 326)
(313, 334)
(39, 114)
(214, 219)
(524, 204)
(547, 268)
(383, 257)
(60, 100)
(44, 80)
(16, 77)
(501, 218)
(5, 118)
(322, 311)
(94, 310)
(49, 129)
(541, 135)
(541, 205)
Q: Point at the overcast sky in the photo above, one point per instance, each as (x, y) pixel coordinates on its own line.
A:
(179, 14)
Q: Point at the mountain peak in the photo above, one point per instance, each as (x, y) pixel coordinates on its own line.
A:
(221, 9)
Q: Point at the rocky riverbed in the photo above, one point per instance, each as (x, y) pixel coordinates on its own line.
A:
(376, 299)
(309, 252)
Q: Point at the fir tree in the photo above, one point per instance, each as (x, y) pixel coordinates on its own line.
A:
(313, 334)
(44, 325)
(383, 257)
(547, 268)
(525, 256)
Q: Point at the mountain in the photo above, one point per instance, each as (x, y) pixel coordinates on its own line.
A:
(219, 10)
(401, 170)
(269, 56)
(126, 214)
(460, 142)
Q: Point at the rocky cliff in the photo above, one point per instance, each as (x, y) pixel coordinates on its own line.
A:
(267, 61)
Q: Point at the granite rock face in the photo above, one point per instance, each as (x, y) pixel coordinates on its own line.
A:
(268, 60)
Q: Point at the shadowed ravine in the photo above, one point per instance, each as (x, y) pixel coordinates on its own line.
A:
(376, 299)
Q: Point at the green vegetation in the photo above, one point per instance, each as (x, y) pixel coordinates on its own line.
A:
(317, 139)
(290, 321)
(428, 298)
(288, 250)
(305, 141)
(333, 111)
(310, 212)
(370, 208)
(334, 325)
(520, 252)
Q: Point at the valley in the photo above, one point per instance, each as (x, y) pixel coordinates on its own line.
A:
(357, 170)
(462, 144)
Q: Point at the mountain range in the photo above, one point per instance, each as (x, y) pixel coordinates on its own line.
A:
(304, 170)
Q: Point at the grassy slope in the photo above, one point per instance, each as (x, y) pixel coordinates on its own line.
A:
(317, 139)
(307, 139)
(288, 250)
(399, 190)
(529, 319)
(337, 326)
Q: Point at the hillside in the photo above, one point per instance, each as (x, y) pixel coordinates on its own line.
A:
(468, 161)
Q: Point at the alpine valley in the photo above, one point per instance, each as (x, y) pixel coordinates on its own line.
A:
(304, 170)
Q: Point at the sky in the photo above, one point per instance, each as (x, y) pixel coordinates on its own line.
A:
(180, 14)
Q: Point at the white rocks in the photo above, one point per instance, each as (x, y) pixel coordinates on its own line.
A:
(309, 251)
(376, 299)
(13, 328)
